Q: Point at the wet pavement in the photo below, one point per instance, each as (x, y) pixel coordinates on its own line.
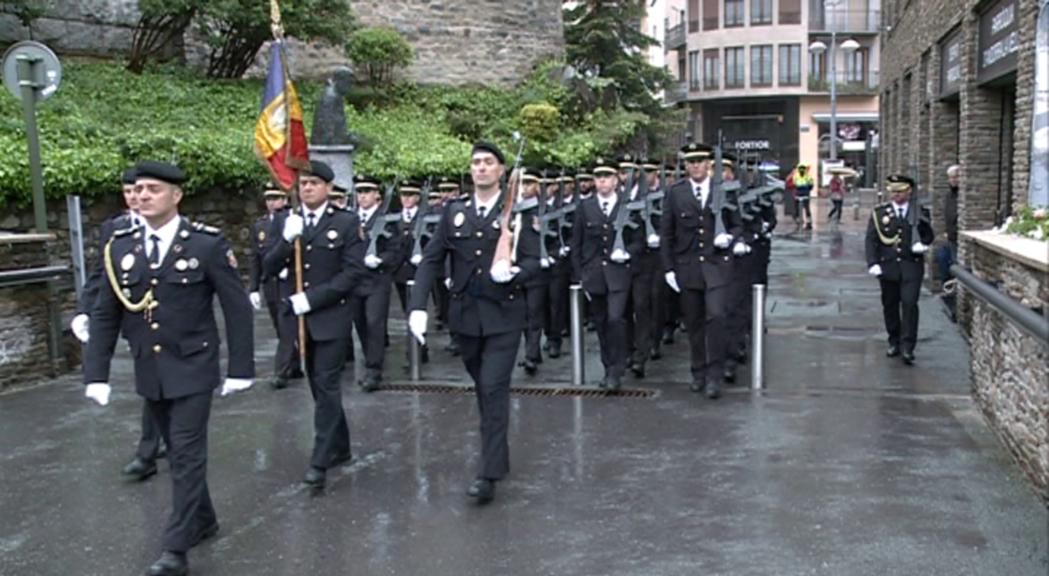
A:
(848, 464)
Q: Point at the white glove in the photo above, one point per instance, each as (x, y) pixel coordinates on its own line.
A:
(739, 249)
(416, 259)
(653, 241)
(723, 240)
(545, 263)
(619, 256)
(256, 300)
(671, 279)
(292, 227)
(747, 246)
(99, 392)
(448, 283)
(919, 248)
(502, 272)
(283, 274)
(234, 385)
(417, 325)
(874, 270)
(300, 304)
(372, 261)
(79, 327)
(565, 250)
(764, 226)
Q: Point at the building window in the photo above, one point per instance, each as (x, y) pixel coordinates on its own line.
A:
(856, 66)
(734, 67)
(693, 70)
(818, 67)
(760, 12)
(710, 14)
(733, 13)
(790, 64)
(761, 65)
(711, 69)
(693, 16)
(790, 11)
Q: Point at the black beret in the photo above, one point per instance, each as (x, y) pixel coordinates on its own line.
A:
(321, 170)
(694, 150)
(159, 171)
(128, 177)
(485, 146)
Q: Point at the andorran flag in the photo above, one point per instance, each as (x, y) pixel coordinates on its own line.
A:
(280, 138)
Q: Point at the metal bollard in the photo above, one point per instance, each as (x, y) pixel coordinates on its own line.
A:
(577, 331)
(414, 349)
(757, 337)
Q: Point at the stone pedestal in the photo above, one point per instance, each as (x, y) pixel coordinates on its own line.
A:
(340, 158)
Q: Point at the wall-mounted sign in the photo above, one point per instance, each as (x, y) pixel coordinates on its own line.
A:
(751, 145)
(999, 40)
(951, 64)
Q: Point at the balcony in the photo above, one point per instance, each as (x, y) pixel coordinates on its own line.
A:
(845, 21)
(675, 92)
(849, 83)
(674, 38)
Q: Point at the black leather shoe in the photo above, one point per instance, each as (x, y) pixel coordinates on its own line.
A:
(453, 348)
(315, 477)
(613, 384)
(206, 533)
(370, 383)
(555, 350)
(655, 354)
(668, 336)
(425, 357)
(638, 370)
(729, 374)
(139, 469)
(893, 351)
(341, 459)
(162, 453)
(713, 390)
(295, 375)
(696, 386)
(529, 367)
(908, 358)
(481, 489)
(169, 564)
(279, 383)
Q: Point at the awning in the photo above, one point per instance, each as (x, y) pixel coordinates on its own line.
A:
(848, 117)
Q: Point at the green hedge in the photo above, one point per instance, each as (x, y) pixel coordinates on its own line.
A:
(103, 119)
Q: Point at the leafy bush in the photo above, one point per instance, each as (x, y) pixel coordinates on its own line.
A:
(379, 52)
(1029, 222)
(539, 122)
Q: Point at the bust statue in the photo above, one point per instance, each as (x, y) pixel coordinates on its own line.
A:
(329, 121)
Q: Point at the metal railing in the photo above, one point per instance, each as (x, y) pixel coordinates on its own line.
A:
(1033, 323)
(674, 37)
(849, 21)
(675, 92)
(849, 82)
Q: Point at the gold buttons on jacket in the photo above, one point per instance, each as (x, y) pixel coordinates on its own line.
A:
(156, 348)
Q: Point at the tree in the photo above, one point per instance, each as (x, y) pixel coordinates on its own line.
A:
(603, 41)
(378, 52)
(161, 24)
(236, 29)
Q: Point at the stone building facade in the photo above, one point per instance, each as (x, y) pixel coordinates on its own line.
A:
(455, 41)
(957, 88)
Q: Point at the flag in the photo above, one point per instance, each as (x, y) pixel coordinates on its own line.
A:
(280, 137)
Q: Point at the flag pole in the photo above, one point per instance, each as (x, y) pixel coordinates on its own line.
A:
(278, 36)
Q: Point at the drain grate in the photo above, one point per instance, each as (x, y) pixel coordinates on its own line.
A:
(535, 391)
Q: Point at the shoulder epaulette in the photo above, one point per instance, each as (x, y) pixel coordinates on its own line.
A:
(201, 227)
(124, 231)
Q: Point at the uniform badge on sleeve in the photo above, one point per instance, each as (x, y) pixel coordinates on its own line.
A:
(127, 262)
(262, 235)
(194, 263)
(459, 220)
(885, 219)
(332, 235)
(181, 265)
(231, 258)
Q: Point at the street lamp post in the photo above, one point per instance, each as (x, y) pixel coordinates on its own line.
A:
(819, 47)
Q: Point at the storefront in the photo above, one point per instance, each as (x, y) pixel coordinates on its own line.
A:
(999, 40)
(765, 126)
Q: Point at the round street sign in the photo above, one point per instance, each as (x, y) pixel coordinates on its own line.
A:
(47, 72)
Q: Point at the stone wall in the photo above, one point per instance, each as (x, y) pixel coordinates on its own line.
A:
(1010, 368)
(456, 41)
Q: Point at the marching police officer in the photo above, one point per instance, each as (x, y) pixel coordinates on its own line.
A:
(162, 279)
(332, 263)
(561, 271)
(266, 232)
(537, 287)
(488, 310)
(897, 238)
(605, 271)
(698, 264)
(370, 299)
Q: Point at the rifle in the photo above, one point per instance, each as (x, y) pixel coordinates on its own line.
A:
(623, 216)
(506, 248)
(419, 226)
(381, 219)
(717, 193)
(653, 203)
(544, 218)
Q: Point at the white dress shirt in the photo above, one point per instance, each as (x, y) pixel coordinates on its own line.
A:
(488, 206)
(166, 235)
(317, 214)
(408, 214)
(366, 215)
(701, 190)
(901, 209)
(607, 204)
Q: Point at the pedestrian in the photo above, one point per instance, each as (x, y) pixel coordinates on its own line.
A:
(803, 183)
(895, 249)
(947, 253)
(837, 197)
(163, 277)
(487, 311)
(332, 254)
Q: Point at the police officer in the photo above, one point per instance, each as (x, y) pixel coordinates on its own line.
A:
(162, 277)
(561, 271)
(537, 287)
(150, 449)
(698, 264)
(266, 232)
(449, 190)
(370, 299)
(895, 255)
(332, 263)
(488, 309)
(605, 271)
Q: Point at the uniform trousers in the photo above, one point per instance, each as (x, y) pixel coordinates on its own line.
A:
(899, 303)
(183, 423)
(641, 301)
(557, 295)
(609, 312)
(537, 296)
(331, 433)
(370, 308)
(149, 442)
(706, 320)
(490, 361)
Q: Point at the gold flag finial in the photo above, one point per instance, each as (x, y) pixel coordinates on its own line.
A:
(275, 23)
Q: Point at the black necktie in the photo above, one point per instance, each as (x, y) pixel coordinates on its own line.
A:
(604, 208)
(310, 220)
(154, 255)
(480, 211)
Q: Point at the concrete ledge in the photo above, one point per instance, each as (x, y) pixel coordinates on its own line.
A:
(19, 238)
(1033, 253)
